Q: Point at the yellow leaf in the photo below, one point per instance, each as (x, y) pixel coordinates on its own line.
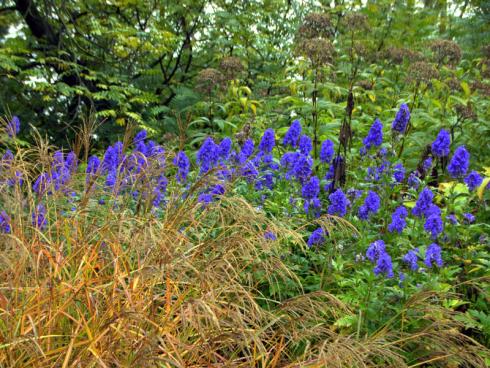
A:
(372, 97)
(482, 187)
(120, 121)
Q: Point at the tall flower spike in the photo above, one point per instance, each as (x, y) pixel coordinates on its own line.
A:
(207, 156)
(317, 237)
(433, 255)
(375, 135)
(338, 203)
(13, 127)
(401, 119)
(183, 165)
(305, 145)
(268, 141)
(292, 135)
(371, 205)
(473, 180)
(460, 162)
(326, 151)
(440, 147)
(4, 223)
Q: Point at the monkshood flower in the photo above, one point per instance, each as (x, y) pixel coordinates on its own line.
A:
(411, 259)
(375, 135)
(305, 145)
(413, 180)
(401, 119)
(112, 157)
(111, 179)
(375, 249)
(424, 203)
(427, 164)
(398, 173)
(268, 141)
(384, 265)
(326, 151)
(311, 189)
(13, 127)
(469, 217)
(71, 162)
(225, 148)
(338, 203)
(302, 168)
(433, 225)
(460, 162)
(433, 255)
(440, 147)
(317, 237)
(371, 205)
(41, 184)
(207, 156)
(183, 165)
(398, 221)
(292, 135)
(93, 165)
(210, 196)
(4, 223)
(269, 235)
(452, 219)
(39, 219)
(249, 171)
(140, 136)
(473, 180)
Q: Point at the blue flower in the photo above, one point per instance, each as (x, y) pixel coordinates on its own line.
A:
(327, 151)
(302, 168)
(39, 219)
(338, 203)
(4, 223)
(317, 237)
(427, 164)
(311, 189)
(398, 173)
(141, 136)
(424, 202)
(41, 183)
(433, 254)
(401, 119)
(246, 151)
(411, 258)
(371, 205)
(460, 162)
(269, 235)
(92, 167)
(433, 225)
(305, 145)
(225, 148)
(292, 135)
(469, 217)
(473, 180)
(413, 180)
(71, 162)
(13, 127)
(398, 222)
(183, 165)
(211, 194)
(384, 265)
(375, 249)
(440, 147)
(207, 156)
(375, 135)
(452, 219)
(268, 141)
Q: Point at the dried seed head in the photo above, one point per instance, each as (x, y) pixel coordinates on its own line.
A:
(398, 55)
(231, 67)
(422, 71)
(483, 88)
(465, 112)
(318, 50)
(315, 25)
(446, 52)
(356, 22)
(366, 84)
(454, 84)
(208, 79)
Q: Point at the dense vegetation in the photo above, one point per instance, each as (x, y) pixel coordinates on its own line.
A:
(259, 183)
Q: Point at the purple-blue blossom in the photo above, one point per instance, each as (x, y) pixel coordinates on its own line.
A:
(473, 180)
(268, 141)
(433, 256)
(305, 145)
(458, 166)
(401, 119)
(183, 165)
(375, 135)
(411, 259)
(338, 203)
(398, 221)
(440, 147)
(317, 237)
(371, 205)
(292, 135)
(326, 151)
(423, 203)
(4, 223)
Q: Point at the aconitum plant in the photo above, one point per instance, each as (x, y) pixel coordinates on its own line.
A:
(460, 162)
(440, 147)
